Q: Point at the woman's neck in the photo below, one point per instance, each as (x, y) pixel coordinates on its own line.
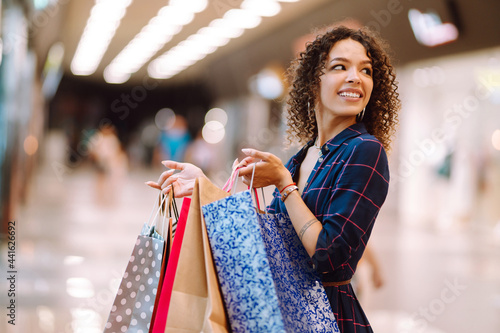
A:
(330, 129)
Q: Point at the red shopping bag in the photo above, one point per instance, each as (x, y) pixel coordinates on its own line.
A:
(161, 310)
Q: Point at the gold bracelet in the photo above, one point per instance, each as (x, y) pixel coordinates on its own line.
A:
(287, 192)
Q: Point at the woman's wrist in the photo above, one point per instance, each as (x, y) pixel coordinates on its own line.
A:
(287, 186)
(285, 181)
(288, 190)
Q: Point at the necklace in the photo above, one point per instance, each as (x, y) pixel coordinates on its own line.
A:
(315, 144)
(320, 152)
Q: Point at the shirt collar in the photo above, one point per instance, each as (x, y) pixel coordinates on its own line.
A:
(330, 146)
(348, 133)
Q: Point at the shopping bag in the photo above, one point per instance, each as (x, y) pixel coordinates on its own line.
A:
(165, 285)
(302, 298)
(196, 303)
(168, 208)
(134, 302)
(265, 274)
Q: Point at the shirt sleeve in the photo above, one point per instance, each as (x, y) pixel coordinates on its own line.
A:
(352, 206)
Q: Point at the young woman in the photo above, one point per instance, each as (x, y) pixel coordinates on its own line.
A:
(342, 106)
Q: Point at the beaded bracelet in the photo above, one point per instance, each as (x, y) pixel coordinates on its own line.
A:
(292, 184)
(287, 192)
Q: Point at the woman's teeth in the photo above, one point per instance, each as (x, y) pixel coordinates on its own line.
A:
(349, 94)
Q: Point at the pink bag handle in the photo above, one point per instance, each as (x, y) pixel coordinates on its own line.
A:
(232, 180)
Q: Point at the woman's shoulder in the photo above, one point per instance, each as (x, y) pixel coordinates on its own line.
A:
(364, 142)
(364, 154)
(365, 149)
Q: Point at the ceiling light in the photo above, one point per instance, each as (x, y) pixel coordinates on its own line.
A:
(241, 18)
(152, 37)
(266, 8)
(224, 28)
(216, 34)
(208, 40)
(114, 77)
(175, 15)
(101, 26)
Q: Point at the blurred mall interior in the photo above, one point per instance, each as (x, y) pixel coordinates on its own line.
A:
(128, 83)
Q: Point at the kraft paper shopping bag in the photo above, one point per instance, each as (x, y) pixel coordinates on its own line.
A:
(196, 303)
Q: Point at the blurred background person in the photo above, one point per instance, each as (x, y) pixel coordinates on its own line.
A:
(110, 162)
(201, 153)
(173, 140)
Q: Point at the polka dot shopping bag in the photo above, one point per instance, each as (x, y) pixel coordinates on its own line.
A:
(134, 303)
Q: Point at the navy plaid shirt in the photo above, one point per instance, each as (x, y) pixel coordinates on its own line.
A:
(345, 191)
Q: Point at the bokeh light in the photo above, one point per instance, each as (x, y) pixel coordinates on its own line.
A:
(30, 145)
(79, 287)
(216, 114)
(495, 139)
(165, 118)
(213, 132)
(267, 84)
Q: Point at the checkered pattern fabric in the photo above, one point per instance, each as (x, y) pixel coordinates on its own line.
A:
(345, 191)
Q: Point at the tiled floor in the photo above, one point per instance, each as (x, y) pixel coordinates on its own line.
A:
(71, 252)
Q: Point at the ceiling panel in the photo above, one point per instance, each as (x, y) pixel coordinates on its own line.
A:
(274, 36)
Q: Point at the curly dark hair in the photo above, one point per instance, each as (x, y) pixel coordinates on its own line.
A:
(304, 77)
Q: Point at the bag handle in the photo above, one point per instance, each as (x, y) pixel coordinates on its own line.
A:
(232, 183)
(233, 180)
(173, 211)
(157, 207)
(254, 190)
(166, 209)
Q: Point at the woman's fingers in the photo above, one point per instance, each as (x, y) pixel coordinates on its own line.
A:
(173, 165)
(182, 183)
(269, 170)
(170, 180)
(256, 154)
(235, 163)
(165, 176)
(165, 190)
(247, 160)
(153, 185)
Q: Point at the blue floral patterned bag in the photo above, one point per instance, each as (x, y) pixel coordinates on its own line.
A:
(266, 276)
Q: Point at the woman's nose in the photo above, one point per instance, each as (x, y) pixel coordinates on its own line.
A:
(353, 76)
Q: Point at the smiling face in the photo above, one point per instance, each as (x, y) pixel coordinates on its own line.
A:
(347, 84)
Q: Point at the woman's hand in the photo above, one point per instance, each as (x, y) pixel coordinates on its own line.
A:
(269, 170)
(182, 182)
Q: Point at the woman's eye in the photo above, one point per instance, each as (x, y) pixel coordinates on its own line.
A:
(338, 67)
(367, 71)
